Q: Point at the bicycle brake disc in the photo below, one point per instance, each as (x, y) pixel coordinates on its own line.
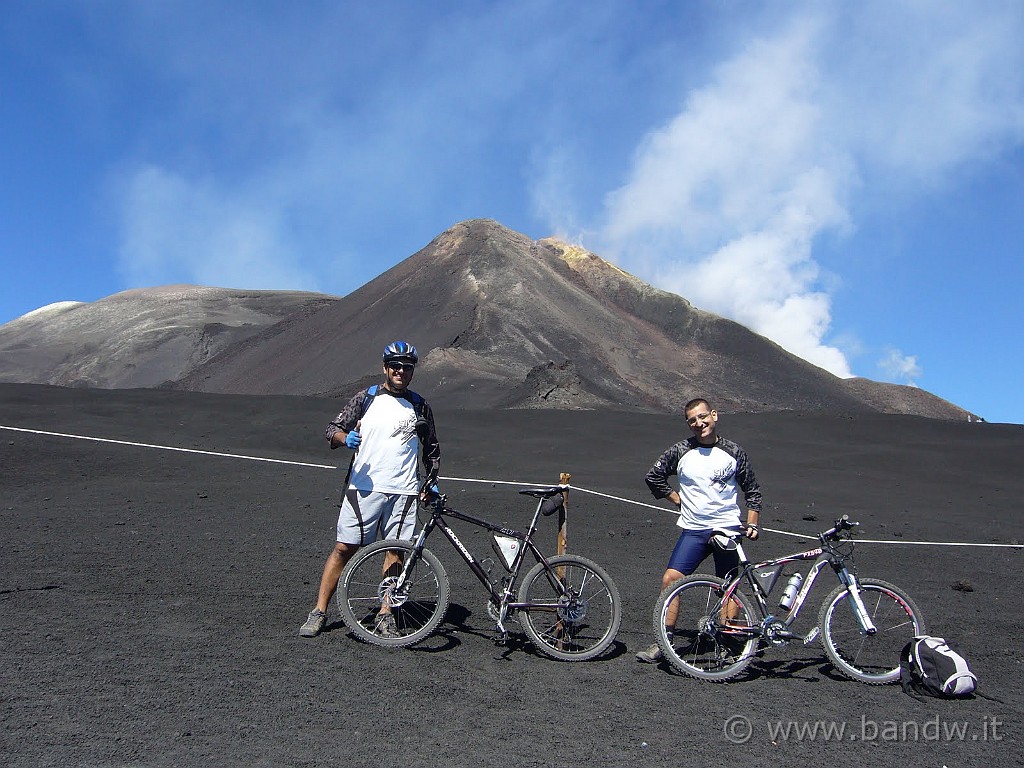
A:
(572, 609)
(387, 594)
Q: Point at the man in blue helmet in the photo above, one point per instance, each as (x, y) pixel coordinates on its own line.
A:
(388, 426)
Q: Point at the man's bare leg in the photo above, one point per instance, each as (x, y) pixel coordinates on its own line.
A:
(335, 564)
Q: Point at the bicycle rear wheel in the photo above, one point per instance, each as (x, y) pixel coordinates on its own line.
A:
(709, 641)
(573, 610)
(367, 593)
(872, 659)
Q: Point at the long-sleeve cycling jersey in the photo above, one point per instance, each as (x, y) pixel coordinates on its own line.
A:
(710, 478)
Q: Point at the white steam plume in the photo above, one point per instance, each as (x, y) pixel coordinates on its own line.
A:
(724, 203)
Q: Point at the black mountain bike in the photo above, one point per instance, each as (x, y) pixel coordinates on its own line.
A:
(863, 624)
(395, 593)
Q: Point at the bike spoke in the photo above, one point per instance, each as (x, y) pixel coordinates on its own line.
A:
(377, 610)
(701, 644)
(872, 659)
(570, 612)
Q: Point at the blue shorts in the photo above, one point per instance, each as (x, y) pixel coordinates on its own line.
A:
(368, 515)
(694, 546)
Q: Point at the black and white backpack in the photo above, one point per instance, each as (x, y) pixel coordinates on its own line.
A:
(929, 667)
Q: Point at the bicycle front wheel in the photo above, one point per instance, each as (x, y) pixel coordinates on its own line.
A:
(872, 659)
(711, 639)
(380, 612)
(572, 610)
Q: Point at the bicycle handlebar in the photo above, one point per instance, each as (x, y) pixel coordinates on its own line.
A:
(844, 523)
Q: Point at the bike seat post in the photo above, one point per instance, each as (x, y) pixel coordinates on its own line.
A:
(739, 551)
(536, 516)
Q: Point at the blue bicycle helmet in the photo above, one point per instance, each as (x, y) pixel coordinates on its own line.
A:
(400, 351)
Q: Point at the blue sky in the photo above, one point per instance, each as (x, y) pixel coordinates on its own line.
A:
(844, 178)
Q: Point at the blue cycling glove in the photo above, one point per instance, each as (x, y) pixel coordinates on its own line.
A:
(352, 439)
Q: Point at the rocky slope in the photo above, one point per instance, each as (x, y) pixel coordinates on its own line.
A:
(500, 321)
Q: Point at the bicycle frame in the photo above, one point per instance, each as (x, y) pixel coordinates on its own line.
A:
(501, 590)
(825, 554)
(712, 629)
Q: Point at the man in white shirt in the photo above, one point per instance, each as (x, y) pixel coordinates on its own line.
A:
(711, 471)
(388, 426)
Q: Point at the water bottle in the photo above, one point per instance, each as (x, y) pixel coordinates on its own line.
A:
(792, 587)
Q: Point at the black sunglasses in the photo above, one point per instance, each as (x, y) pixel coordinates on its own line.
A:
(401, 367)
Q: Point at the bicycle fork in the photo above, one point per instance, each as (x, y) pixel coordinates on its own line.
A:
(859, 610)
(407, 567)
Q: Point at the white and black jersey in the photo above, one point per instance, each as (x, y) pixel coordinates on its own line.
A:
(386, 460)
(710, 479)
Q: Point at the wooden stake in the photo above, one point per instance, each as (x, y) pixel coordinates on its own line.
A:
(563, 522)
(563, 525)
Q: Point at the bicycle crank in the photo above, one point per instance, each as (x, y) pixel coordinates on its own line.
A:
(774, 632)
(492, 611)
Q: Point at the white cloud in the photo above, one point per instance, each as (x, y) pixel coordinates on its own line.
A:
(920, 88)
(837, 109)
(899, 367)
(177, 230)
(552, 192)
(316, 157)
(724, 202)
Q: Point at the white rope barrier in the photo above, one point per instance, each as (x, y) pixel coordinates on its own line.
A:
(491, 482)
(168, 448)
(805, 536)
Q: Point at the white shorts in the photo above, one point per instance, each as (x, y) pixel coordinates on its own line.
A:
(368, 515)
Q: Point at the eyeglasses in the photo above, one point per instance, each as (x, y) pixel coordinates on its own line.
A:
(396, 367)
(698, 418)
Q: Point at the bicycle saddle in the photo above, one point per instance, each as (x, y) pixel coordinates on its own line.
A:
(553, 498)
(543, 493)
(725, 540)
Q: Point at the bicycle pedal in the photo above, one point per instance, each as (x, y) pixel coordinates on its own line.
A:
(501, 640)
(812, 636)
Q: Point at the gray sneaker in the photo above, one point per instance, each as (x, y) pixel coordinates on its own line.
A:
(386, 626)
(650, 655)
(314, 623)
